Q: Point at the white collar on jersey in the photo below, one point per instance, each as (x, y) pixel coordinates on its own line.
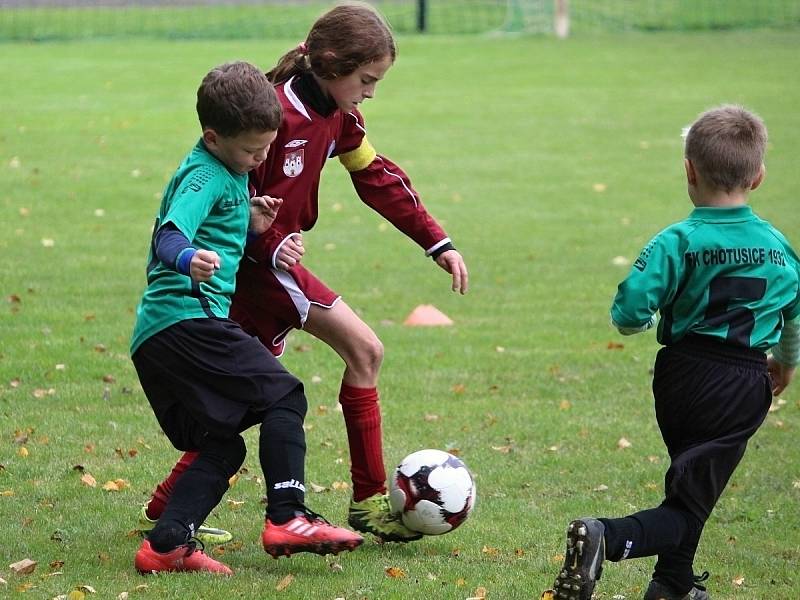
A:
(294, 98)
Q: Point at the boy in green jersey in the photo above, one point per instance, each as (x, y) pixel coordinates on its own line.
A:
(205, 379)
(727, 286)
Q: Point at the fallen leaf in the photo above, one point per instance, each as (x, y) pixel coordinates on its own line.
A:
(502, 449)
(738, 581)
(478, 594)
(7, 493)
(460, 582)
(431, 417)
(48, 242)
(615, 346)
(116, 485)
(284, 583)
(24, 566)
(340, 485)
(23, 452)
(623, 443)
(564, 405)
(87, 479)
(620, 261)
(86, 588)
(76, 595)
(395, 572)
(599, 187)
(234, 504)
(109, 379)
(459, 388)
(601, 488)
(316, 488)
(122, 596)
(490, 551)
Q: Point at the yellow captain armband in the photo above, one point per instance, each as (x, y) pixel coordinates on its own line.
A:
(360, 158)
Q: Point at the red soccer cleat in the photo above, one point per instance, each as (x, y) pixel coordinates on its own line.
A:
(183, 558)
(307, 532)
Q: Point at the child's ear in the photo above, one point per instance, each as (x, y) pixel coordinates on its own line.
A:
(210, 137)
(691, 173)
(759, 178)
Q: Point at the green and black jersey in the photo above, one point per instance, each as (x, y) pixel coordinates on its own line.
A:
(722, 272)
(210, 205)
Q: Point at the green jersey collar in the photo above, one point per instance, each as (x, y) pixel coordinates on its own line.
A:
(722, 214)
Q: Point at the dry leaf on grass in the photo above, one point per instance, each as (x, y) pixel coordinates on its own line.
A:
(395, 572)
(24, 566)
(284, 583)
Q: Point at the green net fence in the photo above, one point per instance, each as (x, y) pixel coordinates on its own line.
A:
(74, 19)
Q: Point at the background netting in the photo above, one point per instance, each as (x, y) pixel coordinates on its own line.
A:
(74, 19)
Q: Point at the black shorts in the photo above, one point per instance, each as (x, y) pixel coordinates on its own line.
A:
(207, 377)
(710, 398)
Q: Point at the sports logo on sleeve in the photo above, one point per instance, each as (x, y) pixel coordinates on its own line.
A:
(293, 158)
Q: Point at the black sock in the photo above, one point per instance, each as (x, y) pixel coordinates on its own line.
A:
(282, 451)
(197, 492)
(646, 533)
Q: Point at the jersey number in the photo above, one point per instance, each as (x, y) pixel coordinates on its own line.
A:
(723, 292)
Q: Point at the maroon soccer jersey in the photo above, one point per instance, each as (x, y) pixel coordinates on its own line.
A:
(292, 171)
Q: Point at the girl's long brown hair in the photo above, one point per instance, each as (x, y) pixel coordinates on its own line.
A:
(340, 41)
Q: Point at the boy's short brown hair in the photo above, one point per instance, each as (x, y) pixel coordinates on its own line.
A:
(726, 145)
(237, 97)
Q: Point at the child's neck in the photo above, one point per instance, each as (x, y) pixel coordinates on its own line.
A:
(720, 199)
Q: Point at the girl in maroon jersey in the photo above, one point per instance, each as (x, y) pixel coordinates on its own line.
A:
(320, 84)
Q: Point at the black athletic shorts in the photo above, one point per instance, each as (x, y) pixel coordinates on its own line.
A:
(208, 377)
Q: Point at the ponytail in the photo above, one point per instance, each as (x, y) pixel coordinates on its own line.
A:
(294, 62)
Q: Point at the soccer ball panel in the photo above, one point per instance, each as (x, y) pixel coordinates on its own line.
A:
(432, 491)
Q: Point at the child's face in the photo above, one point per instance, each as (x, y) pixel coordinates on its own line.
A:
(240, 153)
(348, 91)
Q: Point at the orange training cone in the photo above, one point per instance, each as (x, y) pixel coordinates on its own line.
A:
(426, 315)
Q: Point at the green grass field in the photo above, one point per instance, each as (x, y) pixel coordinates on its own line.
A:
(544, 160)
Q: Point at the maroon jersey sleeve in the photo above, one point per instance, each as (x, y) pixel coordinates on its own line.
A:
(263, 247)
(384, 187)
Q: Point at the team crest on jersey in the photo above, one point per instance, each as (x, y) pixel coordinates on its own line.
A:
(293, 162)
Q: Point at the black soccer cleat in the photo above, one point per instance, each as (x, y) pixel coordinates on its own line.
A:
(661, 591)
(583, 560)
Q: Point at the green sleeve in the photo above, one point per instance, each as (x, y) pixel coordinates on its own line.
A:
(787, 350)
(193, 200)
(651, 283)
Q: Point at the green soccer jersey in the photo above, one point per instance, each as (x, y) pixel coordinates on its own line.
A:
(722, 272)
(209, 204)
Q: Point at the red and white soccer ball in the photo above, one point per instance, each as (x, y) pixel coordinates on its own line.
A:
(432, 491)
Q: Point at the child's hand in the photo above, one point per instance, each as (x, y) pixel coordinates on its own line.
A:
(452, 262)
(780, 374)
(290, 253)
(263, 210)
(204, 264)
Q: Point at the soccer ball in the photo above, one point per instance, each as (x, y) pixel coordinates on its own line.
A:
(432, 491)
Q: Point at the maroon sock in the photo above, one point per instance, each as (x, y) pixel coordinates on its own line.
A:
(362, 417)
(164, 489)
